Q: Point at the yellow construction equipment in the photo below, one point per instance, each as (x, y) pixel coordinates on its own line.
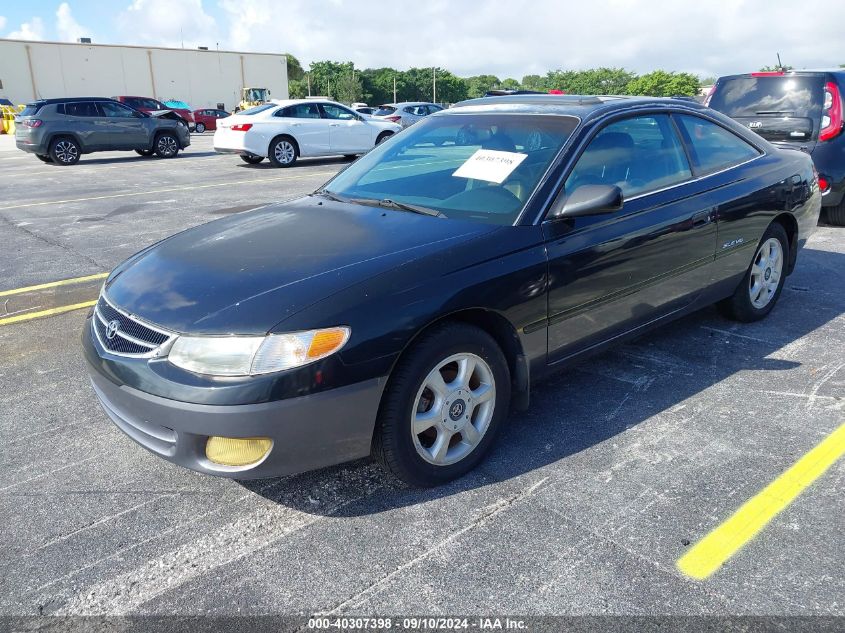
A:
(251, 97)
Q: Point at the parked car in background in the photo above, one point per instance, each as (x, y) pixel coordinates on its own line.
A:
(406, 113)
(5, 102)
(286, 130)
(61, 130)
(207, 118)
(183, 110)
(800, 109)
(368, 110)
(150, 106)
(400, 309)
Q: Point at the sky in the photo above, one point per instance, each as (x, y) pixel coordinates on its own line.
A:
(506, 38)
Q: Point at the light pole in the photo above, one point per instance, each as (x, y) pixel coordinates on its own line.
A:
(394, 88)
(434, 85)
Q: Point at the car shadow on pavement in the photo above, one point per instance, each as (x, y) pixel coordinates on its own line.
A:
(604, 396)
(302, 162)
(134, 158)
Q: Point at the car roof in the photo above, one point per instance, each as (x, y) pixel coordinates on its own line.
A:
(71, 100)
(787, 73)
(287, 102)
(578, 105)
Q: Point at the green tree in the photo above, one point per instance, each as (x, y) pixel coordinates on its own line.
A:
(348, 88)
(295, 71)
(450, 88)
(660, 83)
(510, 84)
(593, 81)
(325, 75)
(534, 82)
(478, 85)
(378, 85)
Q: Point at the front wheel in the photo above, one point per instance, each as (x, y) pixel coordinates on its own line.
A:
(443, 406)
(167, 146)
(200, 128)
(282, 152)
(761, 286)
(251, 159)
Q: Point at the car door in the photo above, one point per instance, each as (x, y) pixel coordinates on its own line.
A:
(126, 126)
(349, 134)
(308, 127)
(615, 272)
(90, 124)
(412, 113)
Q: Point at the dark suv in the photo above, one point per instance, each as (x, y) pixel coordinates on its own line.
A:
(60, 130)
(801, 109)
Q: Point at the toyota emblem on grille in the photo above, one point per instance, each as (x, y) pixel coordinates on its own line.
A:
(112, 328)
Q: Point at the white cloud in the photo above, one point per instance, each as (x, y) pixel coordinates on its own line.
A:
(519, 37)
(67, 27)
(32, 30)
(167, 23)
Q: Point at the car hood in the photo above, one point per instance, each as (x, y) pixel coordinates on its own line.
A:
(246, 273)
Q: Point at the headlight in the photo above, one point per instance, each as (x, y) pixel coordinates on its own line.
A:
(251, 355)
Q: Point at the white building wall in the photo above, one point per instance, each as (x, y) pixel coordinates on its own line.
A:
(201, 78)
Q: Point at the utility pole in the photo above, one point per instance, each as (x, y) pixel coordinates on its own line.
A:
(434, 85)
(394, 88)
(308, 75)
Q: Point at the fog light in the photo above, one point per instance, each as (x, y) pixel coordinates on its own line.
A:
(232, 451)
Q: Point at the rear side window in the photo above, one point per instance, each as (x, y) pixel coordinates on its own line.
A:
(779, 96)
(82, 108)
(257, 109)
(118, 110)
(712, 147)
(385, 110)
(639, 155)
(300, 111)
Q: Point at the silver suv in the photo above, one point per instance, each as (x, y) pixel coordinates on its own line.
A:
(61, 130)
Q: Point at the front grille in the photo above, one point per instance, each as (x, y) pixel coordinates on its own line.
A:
(131, 336)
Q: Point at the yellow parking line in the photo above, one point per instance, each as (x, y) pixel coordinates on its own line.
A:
(171, 189)
(711, 552)
(44, 313)
(53, 284)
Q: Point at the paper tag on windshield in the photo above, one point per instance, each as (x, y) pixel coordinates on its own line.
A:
(490, 165)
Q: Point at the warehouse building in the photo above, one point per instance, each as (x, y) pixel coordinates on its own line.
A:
(202, 78)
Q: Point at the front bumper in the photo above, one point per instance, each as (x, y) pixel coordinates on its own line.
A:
(308, 432)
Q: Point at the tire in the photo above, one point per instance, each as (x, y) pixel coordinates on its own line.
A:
(44, 158)
(836, 215)
(166, 145)
(144, 152)
(200, 128)
(747, 304)
(415, 458)
(252, 160)
(350, 156)
(65, 151)
(383, 137)
(283, 152)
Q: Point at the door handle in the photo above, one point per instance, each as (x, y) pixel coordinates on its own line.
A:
(295, 124)
(334, 124)
(702, 218)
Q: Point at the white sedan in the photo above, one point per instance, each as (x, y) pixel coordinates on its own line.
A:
(285, 130)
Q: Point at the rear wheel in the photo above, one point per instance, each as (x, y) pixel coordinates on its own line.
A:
(144, 152)
(761, 286)
(200, 128)
(167, 145)
(383, 137)
(836, 215)
(444, 404)
(251, 159)
(283, 152)
(44, 158)
(65, 151)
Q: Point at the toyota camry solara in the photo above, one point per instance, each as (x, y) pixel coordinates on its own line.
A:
(403, 308)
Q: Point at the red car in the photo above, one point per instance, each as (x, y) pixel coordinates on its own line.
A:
(148, 105)
(207, 119)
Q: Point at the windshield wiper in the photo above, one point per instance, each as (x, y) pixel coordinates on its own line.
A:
(781, 112)
(329, 195)
(404, 206)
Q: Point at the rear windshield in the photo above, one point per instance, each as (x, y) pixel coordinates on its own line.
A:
(258, 109)
(385, 110)
(30, 109)
(787, 96)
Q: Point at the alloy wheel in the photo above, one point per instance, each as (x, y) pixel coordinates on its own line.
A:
(765, 273)
(284, 152)
(167, 146)
(453, 409)
(66, 151)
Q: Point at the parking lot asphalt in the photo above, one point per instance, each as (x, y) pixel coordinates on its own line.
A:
(586, 504)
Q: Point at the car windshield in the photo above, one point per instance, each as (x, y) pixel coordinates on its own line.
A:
(257, 109)
(480, 167)
(778, 96)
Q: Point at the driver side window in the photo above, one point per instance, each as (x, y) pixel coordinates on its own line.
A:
(639, 155)
(335, 112)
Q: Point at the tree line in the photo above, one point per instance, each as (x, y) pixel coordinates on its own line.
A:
(343, 82)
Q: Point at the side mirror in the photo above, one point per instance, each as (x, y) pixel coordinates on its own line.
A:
(589, 200)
